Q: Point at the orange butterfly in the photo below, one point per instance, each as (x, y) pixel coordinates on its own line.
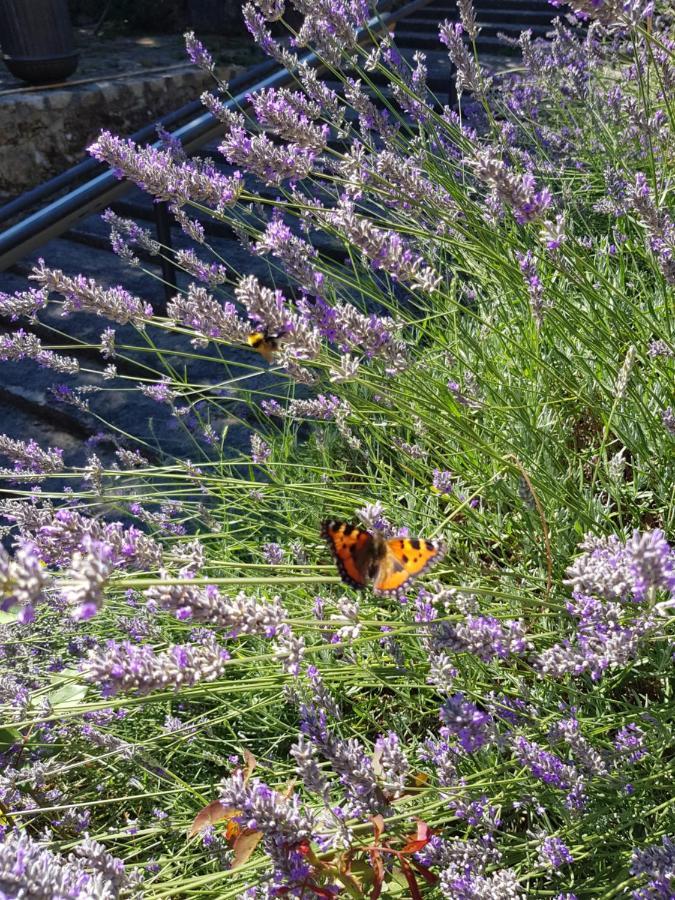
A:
(363, 556)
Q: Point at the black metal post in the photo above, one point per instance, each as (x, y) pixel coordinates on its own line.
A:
(163, 226)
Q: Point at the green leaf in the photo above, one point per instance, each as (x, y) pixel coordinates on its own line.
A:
(67, 694)
(8, 618)
(8, 736)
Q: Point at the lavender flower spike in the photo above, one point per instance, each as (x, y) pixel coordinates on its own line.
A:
(26, 345)
(23, 581)
(197, 52)
(31, 462)
(262, 809)
(238, 615)
(157, 172)
(87, 577)
(130, 667)
(469, 74)
(84, 294)
(30, 870)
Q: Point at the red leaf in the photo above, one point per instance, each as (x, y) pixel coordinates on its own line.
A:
(378, 826)
(412, 881)
(214, 812)
(378, 873)
(244, 846)
(416, 842)
(424, 832)
(413, 846)
(427, 874)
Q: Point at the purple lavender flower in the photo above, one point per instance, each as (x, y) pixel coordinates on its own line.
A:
(470, 76)
(256, 25)
(289, 650)
(305, 754)
(553, 233)
(551, 770)
(392, 761)
(296, 255)
(238, 615)
(331, 26)
(130, 667)
(659, 348)
(211, 274)
(348, 759)
(283, 820)
(23, 581)
(31, 462)
(535, 288)
(478, 813)
(613, 569)
(197, 52)
(486, 637)
(30, 869)
(470, 855)
(629, 743)
(569, 731)
(157, 172)
(25, 345)
(462, 885)
(614, 12)
(655, 861)
(517, 191)
(260, 450)
(372, 517)
(554, 853)
(290, 115)
(601, 642)
(86, 579)
(60, 533)
(351, 330)
(385, 249)
(271, 163)
(668, 420)
(659, 226)
(84, 294)
(207, 317)
(271, 311)
(23, 303)
(443, 481)
(273, 554)
(462, 718)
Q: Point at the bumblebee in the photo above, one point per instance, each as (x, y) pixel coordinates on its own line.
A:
(266, 344)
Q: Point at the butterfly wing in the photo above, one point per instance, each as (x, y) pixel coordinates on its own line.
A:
(403, 560)
(353, 549)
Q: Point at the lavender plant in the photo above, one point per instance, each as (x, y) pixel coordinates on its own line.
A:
(454, 323)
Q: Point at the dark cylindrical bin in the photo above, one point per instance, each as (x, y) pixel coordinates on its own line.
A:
(37, 40)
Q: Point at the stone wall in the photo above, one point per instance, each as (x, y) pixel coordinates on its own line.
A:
(46, 131)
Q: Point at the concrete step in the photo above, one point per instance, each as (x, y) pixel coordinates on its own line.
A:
(493, 14)
(448, 8)
(29, 387)
(487, 39)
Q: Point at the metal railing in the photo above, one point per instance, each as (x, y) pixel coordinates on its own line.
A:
(97, 192)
